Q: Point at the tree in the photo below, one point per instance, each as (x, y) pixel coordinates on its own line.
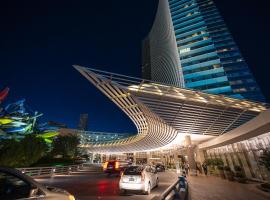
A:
(33, 149)
(86, 156)
(22, 153)
(265, 159)
(214, 162)
(10, 153)
(218, 162)
(67, 146)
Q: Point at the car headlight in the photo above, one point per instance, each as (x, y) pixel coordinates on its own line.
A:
(71, 197)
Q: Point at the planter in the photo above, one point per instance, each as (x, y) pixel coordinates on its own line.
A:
(229, 175)
(222, 173)
(240, 175)
(211, 170)
(241, 179)
(264, 187)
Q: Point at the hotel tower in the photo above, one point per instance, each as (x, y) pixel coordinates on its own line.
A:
(190, 46)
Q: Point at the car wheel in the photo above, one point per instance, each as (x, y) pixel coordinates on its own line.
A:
(148, 191)
(122, 192)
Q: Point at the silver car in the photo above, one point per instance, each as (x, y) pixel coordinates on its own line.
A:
(138, 178)
(16, 185)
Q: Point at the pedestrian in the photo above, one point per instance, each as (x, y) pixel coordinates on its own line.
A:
(204, 166)
(198, 167)
(184, 173)
(186, 168)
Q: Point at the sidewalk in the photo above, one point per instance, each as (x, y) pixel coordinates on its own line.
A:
(215, 188)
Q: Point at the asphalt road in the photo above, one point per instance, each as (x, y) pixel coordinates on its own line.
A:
(87, 184)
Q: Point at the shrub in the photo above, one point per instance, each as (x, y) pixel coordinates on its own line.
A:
(227, 168)
(66, 146)
(209, 161)
(22, 153)
(214, 162)
(220, 167)
(238, 168)
(266, 185)
(240, 175)
(218, 162)
(265, 159)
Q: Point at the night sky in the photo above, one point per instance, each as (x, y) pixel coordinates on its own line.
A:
(41, 40)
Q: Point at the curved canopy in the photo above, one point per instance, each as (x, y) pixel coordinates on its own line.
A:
(160, 112)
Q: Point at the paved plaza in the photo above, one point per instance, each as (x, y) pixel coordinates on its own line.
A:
(215, 188)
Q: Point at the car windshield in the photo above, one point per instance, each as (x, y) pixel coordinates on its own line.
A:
(133, 170)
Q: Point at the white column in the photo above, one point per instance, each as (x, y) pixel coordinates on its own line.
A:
(190, 154)
(134, 158)
(148, 157)
(199, 155)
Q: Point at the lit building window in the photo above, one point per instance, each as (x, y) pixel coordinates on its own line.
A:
(240, 90)
(184, 50)
(216, 66)
(239, 60)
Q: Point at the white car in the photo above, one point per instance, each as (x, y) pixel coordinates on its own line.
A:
(16, 185)
(138, 178)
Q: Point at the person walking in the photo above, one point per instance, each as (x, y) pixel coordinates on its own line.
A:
(204, 166)
(186, 168)
(199, 167)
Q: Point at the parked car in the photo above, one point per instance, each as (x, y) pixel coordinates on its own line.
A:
(138, 178)
(114, 166)
(16, 185)
(160, 167)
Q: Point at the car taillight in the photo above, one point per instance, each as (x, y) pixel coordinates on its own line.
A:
(142, 176)
(116, 165)
(105, 165)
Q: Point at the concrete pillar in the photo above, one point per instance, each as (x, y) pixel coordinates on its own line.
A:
(134, 158)
(199, 155)
(148, 156)
(190, 154)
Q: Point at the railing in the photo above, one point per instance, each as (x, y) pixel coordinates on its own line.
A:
(50, 171)
(178, 190)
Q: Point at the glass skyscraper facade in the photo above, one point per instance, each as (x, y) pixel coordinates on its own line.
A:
(209, 59)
